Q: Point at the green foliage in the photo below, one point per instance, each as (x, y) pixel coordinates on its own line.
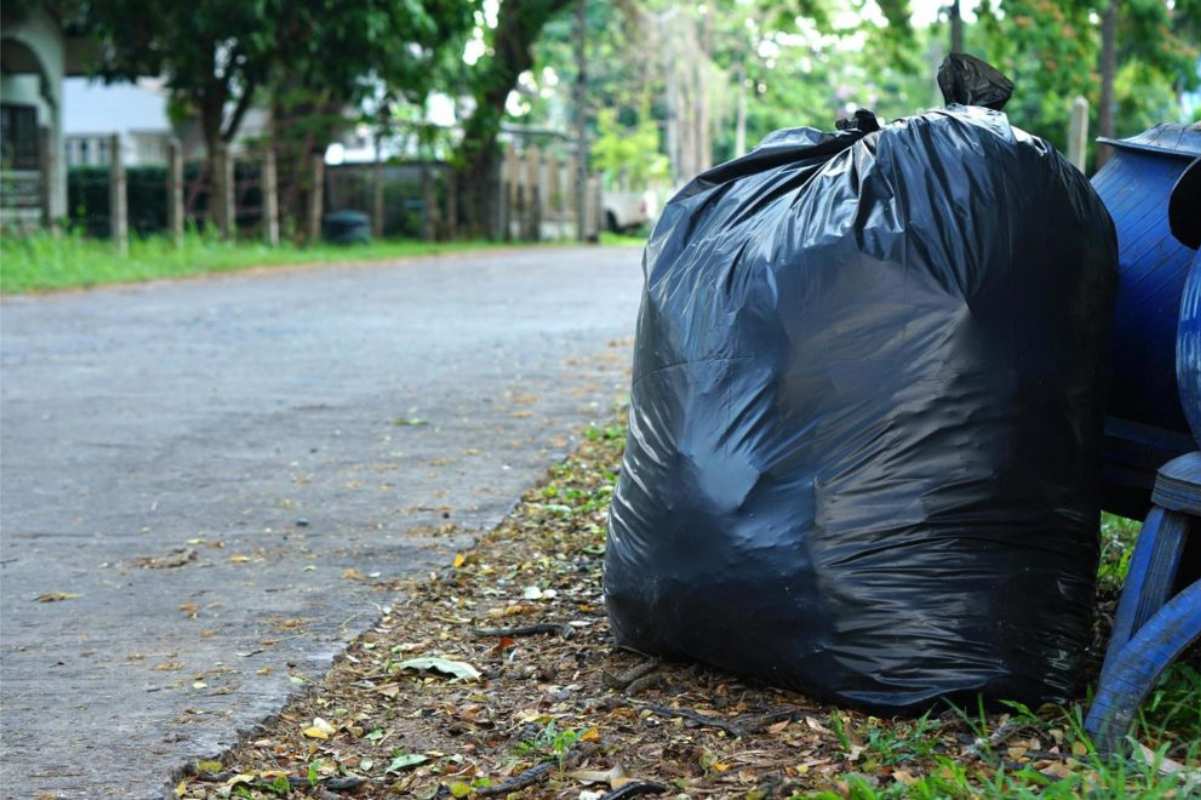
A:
(44, 262)
(218, 52)
(494, 76)
(346, 49)
(629, 152)
(808, 62)
(221, 53)
(1051, 50)
(551, 744)
(1118, 535)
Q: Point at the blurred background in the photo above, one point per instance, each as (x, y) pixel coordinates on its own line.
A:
(285, 123)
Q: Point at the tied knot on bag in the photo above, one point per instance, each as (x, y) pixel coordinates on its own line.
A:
(968, 81)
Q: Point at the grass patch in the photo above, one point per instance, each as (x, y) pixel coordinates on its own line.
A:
(42, 262)
(623, 239)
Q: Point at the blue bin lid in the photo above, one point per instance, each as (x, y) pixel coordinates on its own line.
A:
(1168, 138)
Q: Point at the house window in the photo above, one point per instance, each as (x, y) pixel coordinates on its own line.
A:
(18, 136)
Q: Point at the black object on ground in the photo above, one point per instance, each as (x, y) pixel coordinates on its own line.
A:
(346, 227)
(866, 413)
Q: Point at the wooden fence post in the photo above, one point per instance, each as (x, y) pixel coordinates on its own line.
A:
(270, 190)
(118, 211)
(571, 196)
(377, 194)
(317, 178)
(427, 204)
(552, 201)
(47, 167)
(1078, 134)
(175, 192)
(510, 179)
(452, 204)
(532, 221)
(598, 205)
(592, 208)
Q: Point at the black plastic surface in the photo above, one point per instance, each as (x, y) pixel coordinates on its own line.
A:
(866, 416)
(966, 80)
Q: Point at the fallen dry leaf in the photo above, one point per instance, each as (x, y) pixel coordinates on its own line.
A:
(320, 729)
(55, 597)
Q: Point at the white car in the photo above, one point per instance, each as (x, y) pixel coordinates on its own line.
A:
(628, 210)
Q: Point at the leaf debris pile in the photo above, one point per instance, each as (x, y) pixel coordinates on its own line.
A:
(499, 677)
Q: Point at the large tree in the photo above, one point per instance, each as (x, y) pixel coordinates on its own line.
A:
(339, 61)
(509, 54)
(220, 56)
(215, 54)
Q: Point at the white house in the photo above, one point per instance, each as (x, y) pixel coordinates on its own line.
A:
(36, 54)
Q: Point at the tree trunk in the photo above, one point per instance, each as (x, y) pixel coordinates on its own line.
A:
(581, 118)
(672, 124)
(518, 24)
(1108, 68)
(210, 103)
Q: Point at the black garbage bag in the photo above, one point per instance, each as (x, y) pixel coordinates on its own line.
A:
(866, 415)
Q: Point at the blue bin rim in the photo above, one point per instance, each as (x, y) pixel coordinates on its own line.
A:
(1166, 138)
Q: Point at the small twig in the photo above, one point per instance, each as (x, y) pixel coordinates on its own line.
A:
(635, 789)
(537, 773)
(1008, 729)
(528, 778)
(697, 717)
(342, 783)
(563, 629)
(653, 680)
(622, 680)
(756, 723)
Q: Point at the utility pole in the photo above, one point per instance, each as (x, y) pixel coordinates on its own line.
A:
(740, 124)
(956, 28)
(581, 120)
(1109, 68)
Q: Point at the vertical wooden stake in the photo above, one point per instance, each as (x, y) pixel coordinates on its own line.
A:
(570, 195)
(512, 181)
(452, 205)
(533, 197)
(377, 194)
(270, 190)
(117, 209)
(598, 194)
(48, 167)
(175, 192)
(317, 178)
(1078, 134)
(427, 204)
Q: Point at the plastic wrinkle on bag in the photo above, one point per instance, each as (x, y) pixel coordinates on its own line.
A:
(866, 413)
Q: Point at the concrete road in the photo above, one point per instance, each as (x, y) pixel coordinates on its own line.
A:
(213, 473)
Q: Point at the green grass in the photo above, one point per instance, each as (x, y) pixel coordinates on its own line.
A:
(42, 262)
(930, 750)
(623, 239)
